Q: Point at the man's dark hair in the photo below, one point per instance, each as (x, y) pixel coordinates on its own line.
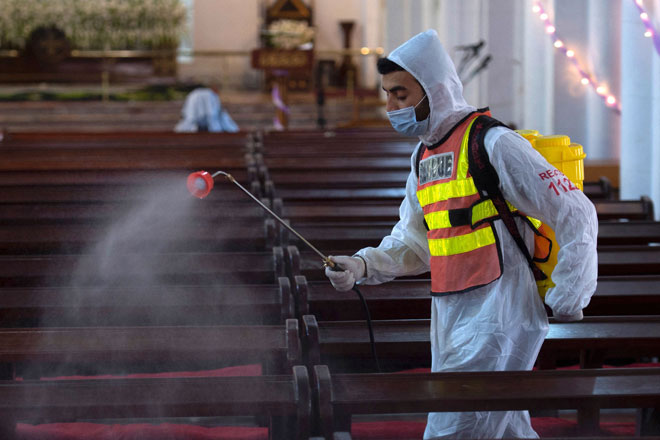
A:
(386, 66)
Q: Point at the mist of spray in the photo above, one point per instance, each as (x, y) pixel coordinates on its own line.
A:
(136, 257)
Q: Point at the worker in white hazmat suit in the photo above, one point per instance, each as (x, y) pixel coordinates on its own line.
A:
(486, 314)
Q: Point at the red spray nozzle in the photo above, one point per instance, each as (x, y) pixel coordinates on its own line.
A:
(200, 184)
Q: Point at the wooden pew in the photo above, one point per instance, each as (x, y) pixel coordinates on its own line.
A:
(184, 235)
(599, 189)
(405, 343)
(628, 233)
(235, 142)
(244, 174)
(356, 236)
(313, 195)
(300, 211)
(411, 299)
(376, 214)
(127, 193)
(164, 305)
(285, 400)
(629, 260)
(112, 158)
(274, 177)
(332, 147)
(62, 351)
(612, 260)
(221, 213)
(193, 269)
(334, 178)
(341, 396)
(641, 209)
(611, 235)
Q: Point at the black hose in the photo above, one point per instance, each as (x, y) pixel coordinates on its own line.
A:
(371, 330)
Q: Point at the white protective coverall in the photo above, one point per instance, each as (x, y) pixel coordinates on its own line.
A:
(202, 111)
(500, 326)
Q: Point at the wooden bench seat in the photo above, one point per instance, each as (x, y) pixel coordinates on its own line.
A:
(106, 213)
(335, 178)
(356, 164)
(405, 343)
(411, 299)
(357, 236)
(62, 351)
(341, 396)
(144, 177)
(629, 260)
(349, 173)
(195, 269)
(599, 189)
(612, 260)
(74, 159)
(124, 139)
(321, 196)
(168, 305)
(186, 235)
(353, 147)
(46, 193)
(300, 211)
(284, 400)
(628, 233)
(641, 209)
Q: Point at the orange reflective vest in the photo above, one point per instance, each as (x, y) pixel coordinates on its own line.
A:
(464, 247)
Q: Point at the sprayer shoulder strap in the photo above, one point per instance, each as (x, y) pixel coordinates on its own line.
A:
(487, 182)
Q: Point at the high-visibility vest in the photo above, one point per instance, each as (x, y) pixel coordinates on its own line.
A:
(464, 247)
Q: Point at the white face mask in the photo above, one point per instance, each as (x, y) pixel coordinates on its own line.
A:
(405, 122)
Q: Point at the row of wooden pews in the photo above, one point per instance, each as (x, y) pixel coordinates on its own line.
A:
(229, 290)
(125, 299)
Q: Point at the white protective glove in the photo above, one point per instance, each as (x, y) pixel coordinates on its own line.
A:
(344, 280)
(568, 318)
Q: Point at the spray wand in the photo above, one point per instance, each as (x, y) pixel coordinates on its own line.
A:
(200, 184)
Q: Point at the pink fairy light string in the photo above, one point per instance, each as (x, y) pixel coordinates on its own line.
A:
(585, 77)
(651, 31)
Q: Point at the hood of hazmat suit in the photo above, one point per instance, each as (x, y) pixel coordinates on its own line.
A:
(500, 326)
(424, 57)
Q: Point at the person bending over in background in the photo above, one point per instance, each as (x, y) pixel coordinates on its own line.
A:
(202, 111)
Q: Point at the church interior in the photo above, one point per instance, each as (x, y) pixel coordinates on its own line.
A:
(178, 175)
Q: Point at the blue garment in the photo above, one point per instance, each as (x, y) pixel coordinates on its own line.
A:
(202, 111)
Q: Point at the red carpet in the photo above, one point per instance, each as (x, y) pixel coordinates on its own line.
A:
(144, 431)
(544, 426)
(136, 431)
(241, 370)
(393, 430)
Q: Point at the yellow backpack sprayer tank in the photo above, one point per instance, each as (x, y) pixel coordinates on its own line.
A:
(568, 158)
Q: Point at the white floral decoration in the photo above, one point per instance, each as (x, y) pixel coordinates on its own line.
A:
(290, 34)
(95, 24)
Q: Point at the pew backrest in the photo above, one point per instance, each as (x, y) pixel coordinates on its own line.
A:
(341, 396)
(284, 399)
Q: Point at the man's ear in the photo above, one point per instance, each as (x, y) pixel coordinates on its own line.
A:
(424, 110)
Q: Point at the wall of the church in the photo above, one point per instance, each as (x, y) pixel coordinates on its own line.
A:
(233, 26)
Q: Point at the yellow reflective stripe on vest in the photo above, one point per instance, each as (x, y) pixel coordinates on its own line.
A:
(441, 247)
(445, 191)
(437, 220)
(486, 209)
(462, 170)
(537, 223)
